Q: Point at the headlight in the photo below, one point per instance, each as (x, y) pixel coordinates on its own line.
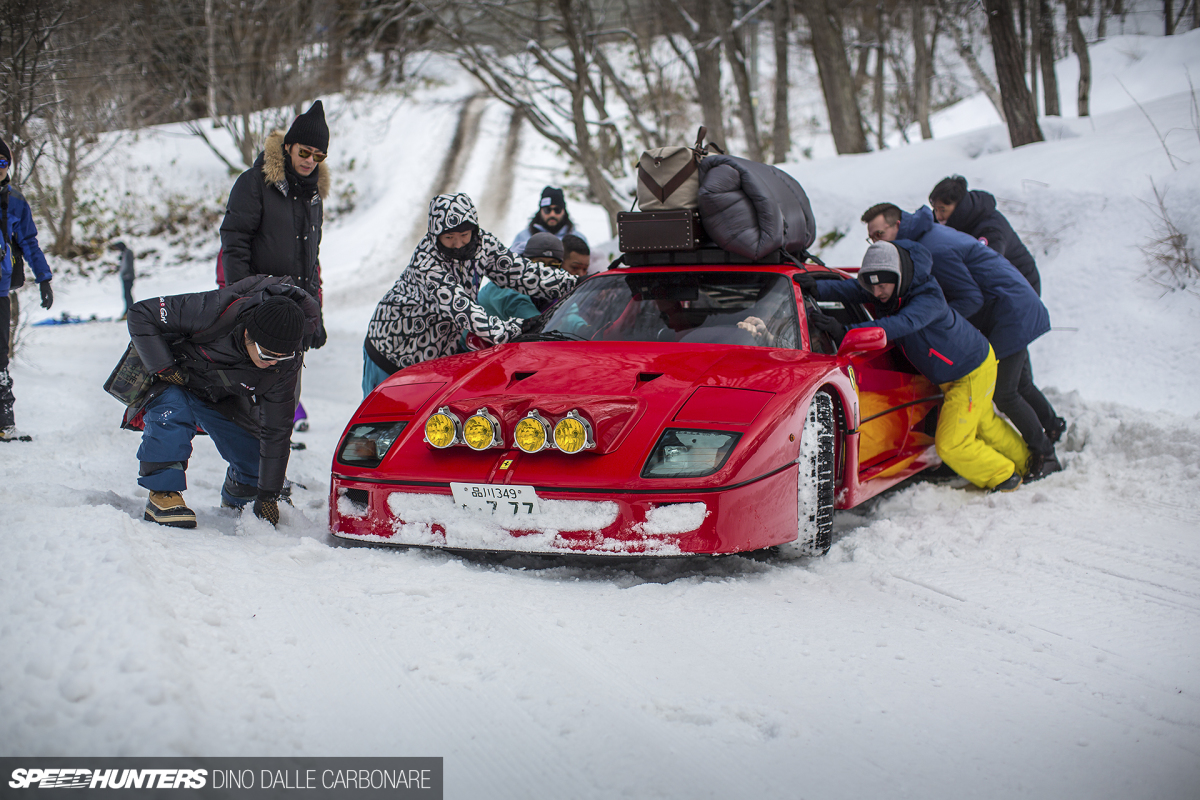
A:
(689, 454)
(443, 429)
(532, 433)
(366, 445)
(481, 430)
(573, 433)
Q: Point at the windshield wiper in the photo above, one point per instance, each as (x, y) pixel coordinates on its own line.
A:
(550, 336)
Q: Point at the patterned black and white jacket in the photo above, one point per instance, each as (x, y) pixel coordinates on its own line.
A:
(434, 300)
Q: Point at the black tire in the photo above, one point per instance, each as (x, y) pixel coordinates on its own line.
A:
(814, 490)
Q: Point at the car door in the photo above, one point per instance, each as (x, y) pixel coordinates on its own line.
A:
(895, 400)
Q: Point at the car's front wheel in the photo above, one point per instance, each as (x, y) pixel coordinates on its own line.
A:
(814, 490)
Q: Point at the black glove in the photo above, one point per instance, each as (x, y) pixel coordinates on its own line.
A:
(824, 322)
(316, 340)
(173, 374)
(266, 506)
(47, 294)
(807, 284)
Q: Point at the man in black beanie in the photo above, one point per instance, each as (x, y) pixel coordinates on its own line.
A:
(272, 222)
(551, 217)
(226, 362)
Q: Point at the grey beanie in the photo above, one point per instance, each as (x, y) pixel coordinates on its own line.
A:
(544, 245)
(880, 264)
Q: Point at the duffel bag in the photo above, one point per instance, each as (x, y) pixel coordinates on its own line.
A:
(668, 179)
(129, 380)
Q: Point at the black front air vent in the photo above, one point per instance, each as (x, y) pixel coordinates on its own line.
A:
(520, 376)
(360, 497)
(645, 377)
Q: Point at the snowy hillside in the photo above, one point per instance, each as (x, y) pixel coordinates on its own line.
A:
(1044, 643)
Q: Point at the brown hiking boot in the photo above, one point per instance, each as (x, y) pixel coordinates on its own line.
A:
(167, 508)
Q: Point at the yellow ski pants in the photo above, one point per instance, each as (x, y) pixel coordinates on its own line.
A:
(970, 438)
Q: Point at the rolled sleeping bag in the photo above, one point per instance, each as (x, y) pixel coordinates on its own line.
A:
(753, 209)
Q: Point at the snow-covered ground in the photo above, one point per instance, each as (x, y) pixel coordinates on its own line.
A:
(952, 643)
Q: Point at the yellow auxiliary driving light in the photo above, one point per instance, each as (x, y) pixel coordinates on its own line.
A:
(573, 433)
(481, 430)
(443, 429)
(532, 433)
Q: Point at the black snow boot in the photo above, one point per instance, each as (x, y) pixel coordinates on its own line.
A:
(1042, 464)
(1011, 484)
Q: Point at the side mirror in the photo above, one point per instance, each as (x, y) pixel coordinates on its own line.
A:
(862, 340)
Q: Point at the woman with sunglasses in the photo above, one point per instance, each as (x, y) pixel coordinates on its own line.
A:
(272, 222)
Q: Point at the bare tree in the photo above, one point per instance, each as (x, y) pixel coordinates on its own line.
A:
(781, 133)
(1019, 109)
(1079, 45)
(735, 54)
(837, 82)
(1045, 41)
(28, 58)
(701, 31)
(923, 56)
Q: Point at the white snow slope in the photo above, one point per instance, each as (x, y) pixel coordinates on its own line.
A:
(952, 644)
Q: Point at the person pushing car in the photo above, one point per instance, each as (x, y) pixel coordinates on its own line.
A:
(948, 350)
(226, 362)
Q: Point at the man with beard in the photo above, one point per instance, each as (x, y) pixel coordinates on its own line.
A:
(437, 297)
(551, 217)
(272, 222)
(897, 277)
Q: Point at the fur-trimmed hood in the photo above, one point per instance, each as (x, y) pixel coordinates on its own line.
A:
(274, 170)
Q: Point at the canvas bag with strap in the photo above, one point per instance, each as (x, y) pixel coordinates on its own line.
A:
(668, 178)
(130, 382)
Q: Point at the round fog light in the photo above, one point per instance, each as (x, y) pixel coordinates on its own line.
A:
(573, 433)
(442, 429)
(481, 430)
(532, 433)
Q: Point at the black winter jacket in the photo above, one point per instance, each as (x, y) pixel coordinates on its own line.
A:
(219, 370)
(272, 226)
(976, 215)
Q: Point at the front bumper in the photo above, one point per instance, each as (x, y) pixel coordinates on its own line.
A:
(750, 516)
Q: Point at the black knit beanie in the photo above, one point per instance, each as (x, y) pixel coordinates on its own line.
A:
(553, 196)
(4, 151)
(310, 129)
(277, 325)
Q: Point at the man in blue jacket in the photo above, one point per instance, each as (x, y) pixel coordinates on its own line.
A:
(970, 438)
(17, 227)
(989, 293)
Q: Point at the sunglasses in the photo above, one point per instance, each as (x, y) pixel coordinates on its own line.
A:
(268, 356)
(554, 209)
(315, 155)
(4, 162)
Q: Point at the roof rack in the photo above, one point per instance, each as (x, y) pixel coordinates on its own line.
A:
(701, 256)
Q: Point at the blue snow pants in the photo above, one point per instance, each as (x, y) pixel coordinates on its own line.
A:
(171, 420)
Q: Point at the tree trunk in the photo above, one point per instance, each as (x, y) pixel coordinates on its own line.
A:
(981, 78)
(837, 84)
(1019, 110)
(211, 58)
(1168, 17)
(735, 54)
(781, 133)
(1046, 56)
(64, 242)
(1101, 20)
(880, 62)
(1079, 45)
(922, 69)
(1035, 48)
(707, 48)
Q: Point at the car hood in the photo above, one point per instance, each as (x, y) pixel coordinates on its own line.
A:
(628, 391)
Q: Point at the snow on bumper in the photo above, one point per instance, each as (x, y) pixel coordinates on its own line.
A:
(743, 518)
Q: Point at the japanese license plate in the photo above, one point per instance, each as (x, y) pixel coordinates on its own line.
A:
(507, 501)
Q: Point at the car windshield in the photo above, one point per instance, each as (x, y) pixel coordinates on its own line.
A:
(741, 308)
